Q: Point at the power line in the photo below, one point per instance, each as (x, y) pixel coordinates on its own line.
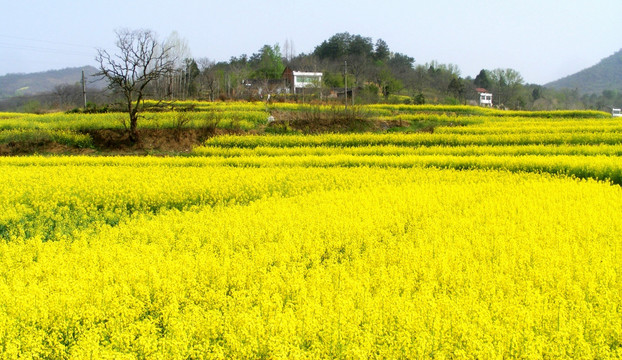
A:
(46, 41)
(43, 49)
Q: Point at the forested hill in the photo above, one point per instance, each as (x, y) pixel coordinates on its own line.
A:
(35, 83)
(606, 75)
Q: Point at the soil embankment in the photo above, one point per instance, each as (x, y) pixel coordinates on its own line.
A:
(116, 142)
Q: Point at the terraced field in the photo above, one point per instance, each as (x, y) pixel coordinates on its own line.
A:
(491, 237)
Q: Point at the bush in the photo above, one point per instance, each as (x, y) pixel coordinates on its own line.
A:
(419, 99)
(317, 118)
(91, 108)
(32, 106)
(450, 100)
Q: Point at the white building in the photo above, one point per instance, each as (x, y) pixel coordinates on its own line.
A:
(298, 80)
(485, 98)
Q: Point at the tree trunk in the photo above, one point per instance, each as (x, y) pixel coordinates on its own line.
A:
(133, 135)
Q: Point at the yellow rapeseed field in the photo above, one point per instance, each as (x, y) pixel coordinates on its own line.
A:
(124, 258)
(496, 236)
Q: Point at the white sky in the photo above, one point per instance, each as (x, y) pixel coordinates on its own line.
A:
(542, 39)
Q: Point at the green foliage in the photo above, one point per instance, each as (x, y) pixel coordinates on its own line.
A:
(536, 93)
(333, 80)
(191, 74)
(419, 99)
(507, 85)
(451, 101)
(268, 63)
(369, 94)
(343, 44)
(32, 107)
(381, 51)
(456, 88)
(281, 127)
(609, 94)
(91, 108)
(401, 65)
(482, 80)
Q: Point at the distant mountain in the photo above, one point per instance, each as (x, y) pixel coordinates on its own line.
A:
(35, 83)
(606, 75)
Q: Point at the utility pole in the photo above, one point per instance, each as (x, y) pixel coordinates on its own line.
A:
(346, 82)
(84, 89)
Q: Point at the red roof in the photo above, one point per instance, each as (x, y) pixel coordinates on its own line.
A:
(481, 90)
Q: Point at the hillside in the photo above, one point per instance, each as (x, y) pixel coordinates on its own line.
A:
(606, 75)
(35, 83)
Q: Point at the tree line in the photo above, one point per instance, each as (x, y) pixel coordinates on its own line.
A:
(375, 73)
(372, 70)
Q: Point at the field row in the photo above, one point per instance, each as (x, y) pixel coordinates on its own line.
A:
(605, 168)
(384, 109)
(417, 139)
(157, 120)
(379, 109)
(586, 127)
(584, 154)
(245, 116)
(395, 150)
(65, 137)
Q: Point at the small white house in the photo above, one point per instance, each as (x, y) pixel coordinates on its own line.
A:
(307, 79)
(297, 80)
(485, 98)
(616, 112)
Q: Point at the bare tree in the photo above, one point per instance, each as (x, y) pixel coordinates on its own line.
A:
(208, 78)
(68, 95)
(178, 52)
(288, 50)
(141, 59)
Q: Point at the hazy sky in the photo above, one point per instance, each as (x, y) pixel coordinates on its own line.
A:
(542, 39)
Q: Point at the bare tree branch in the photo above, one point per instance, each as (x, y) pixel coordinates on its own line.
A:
(140, 61)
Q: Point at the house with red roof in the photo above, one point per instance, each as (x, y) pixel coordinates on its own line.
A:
(485, 97)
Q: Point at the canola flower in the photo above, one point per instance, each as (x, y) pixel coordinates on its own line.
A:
(567, 144)
(489, 112)
(312, 263)
(195, 105)
(157, 120)
(601, 127)
(489, 241)
(66, 137)
(248, 115)
(384, 109)
(418, 139)
(394, 150)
